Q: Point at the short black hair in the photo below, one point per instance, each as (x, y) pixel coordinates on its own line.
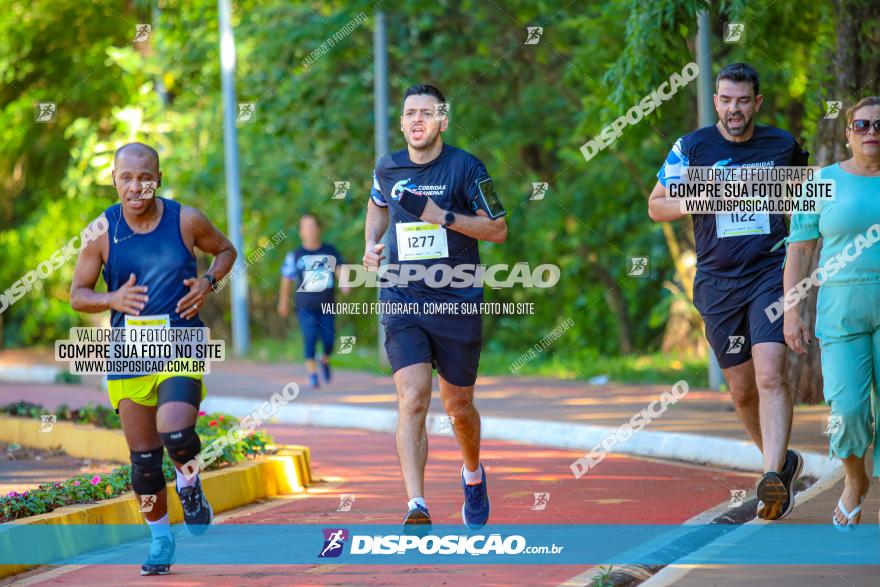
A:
(138, 149)
(423, 89)
(739, 72)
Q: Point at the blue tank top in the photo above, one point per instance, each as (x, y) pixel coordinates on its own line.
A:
(159, 259)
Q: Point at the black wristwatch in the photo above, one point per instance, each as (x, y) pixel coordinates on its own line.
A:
(448, 219)
(210, 279)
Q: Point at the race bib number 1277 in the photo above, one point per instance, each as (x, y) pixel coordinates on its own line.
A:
(420, 240)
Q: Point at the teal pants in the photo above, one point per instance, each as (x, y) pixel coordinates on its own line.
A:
(848, 327)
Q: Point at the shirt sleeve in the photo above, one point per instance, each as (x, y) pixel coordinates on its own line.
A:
(675, 165)
(476, 173)
(804, 226)
(288, 269)
(376, 192)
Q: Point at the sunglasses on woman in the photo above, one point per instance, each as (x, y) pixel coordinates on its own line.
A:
(861, 126)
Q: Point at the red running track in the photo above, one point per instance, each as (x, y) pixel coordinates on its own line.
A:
(621, 490)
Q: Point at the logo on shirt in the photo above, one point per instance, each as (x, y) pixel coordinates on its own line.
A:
(424, 190)
(401, 185)
(317, 272)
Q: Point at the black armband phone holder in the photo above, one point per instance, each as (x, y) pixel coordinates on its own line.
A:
(413, 203)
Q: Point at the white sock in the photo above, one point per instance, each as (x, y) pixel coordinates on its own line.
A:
(182, 481)
(160, 527)
(473, 477)
(417, 501)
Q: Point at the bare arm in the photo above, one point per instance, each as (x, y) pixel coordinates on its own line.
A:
(480, 227)
(375, 226)
(797, 266)
(660, 209)
(284, 298)
(129, 298)
(199, 233)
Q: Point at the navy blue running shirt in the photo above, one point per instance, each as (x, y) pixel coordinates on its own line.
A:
(741, 257)
(312, 270)
(451, 181)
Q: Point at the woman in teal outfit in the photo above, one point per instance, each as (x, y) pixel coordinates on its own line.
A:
(848, 308)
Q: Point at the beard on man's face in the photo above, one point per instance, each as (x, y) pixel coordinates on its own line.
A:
(736, 123)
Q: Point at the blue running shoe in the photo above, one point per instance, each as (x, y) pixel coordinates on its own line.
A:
(475, 510)
(161, 556)
(313, 380)
(325, 370)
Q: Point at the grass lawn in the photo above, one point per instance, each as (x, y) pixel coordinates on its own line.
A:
(580, 364)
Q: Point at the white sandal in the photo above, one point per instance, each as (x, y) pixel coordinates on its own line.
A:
(849, 526)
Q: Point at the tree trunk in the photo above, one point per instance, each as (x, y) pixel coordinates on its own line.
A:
(856, 66)
(617, 303)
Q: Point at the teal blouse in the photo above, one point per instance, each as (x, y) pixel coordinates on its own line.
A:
(849, 226)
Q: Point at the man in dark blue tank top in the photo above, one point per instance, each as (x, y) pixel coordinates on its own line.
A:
(149, 266)
(739, 274)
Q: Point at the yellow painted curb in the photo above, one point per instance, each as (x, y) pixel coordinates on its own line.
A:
(78, 440)
(287, 471)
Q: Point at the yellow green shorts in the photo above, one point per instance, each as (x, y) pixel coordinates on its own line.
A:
(143, 389)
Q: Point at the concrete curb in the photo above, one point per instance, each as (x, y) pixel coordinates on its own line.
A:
(78, 440)
(29, 373)
(671, 574)
(693, 448)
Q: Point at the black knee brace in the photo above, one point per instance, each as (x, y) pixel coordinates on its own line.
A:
(146, 471)
(182, 445)
(180, 389)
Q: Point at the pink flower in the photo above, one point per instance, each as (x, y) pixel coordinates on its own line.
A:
(76, 483)
(212, 423)
(95, 480)
(220, 418)
(25, 494)
(12, 494)
(201, 412)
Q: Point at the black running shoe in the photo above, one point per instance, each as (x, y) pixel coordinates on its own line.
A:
(197, 512)
(325, 370)
(161, 557)
(775, 491)
(417, 522)
(791, 470)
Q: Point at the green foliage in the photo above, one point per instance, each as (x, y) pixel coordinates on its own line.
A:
(523, 109)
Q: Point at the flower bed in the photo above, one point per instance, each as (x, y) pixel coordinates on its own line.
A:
(89, 488)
